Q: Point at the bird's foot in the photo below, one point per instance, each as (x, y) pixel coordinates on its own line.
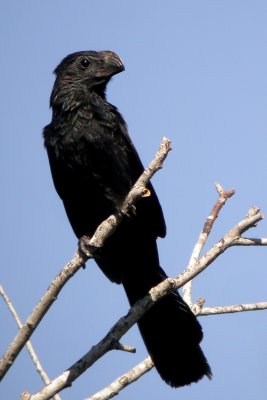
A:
(128, 212)
(86, 247)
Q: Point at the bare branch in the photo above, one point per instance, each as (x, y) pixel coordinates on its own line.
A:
(232, 309)
(29, 346)
(39, 311)
(123, 381)
(251, 242)
(79, 260)
(123, 347)
(224, 196)
(146, 365)
(139, 370)
(231, 238)
(107, 227)
(142, 305)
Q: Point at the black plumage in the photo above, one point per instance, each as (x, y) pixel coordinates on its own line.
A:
(94, 164)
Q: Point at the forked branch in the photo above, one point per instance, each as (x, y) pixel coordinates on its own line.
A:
(202, 239)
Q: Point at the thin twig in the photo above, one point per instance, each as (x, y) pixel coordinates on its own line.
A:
(29, 346)
(123, 381)
(103, 231)
(124, 347)
(251, 242)
(39, 311)
(233, 309)
(224, 196)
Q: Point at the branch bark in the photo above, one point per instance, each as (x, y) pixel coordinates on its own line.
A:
(232, 309)
(123, 381)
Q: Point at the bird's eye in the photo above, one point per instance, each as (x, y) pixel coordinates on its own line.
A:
(84, 63)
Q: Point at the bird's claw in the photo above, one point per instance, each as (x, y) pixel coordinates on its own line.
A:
(86, 247)
(130, 212)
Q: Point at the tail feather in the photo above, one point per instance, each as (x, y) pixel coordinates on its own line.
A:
(171, 334)
(169, 329)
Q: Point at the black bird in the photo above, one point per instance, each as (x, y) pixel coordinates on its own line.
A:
(94, 164)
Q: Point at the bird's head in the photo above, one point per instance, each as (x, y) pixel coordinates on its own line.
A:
(82, 73)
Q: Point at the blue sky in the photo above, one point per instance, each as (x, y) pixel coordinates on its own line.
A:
(196, 73)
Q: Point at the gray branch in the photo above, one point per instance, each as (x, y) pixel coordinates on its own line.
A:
(123, 381)
(233, 309)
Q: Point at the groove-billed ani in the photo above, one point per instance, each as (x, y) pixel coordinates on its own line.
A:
(94, 164)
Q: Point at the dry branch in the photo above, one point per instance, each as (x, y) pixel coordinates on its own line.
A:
(202, 239)
(123, 381)
(147, 364)
(233, 309)
(39, 311)
(198, 308)
(29, 346)
(124, 324)
(251, 242)
(103, 231)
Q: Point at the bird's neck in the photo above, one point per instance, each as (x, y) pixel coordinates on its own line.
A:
(93, 105)
(71, 100)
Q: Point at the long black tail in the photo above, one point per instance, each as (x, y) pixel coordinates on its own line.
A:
(169, 329)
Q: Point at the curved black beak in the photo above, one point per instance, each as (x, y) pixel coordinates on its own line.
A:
(109, 64)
